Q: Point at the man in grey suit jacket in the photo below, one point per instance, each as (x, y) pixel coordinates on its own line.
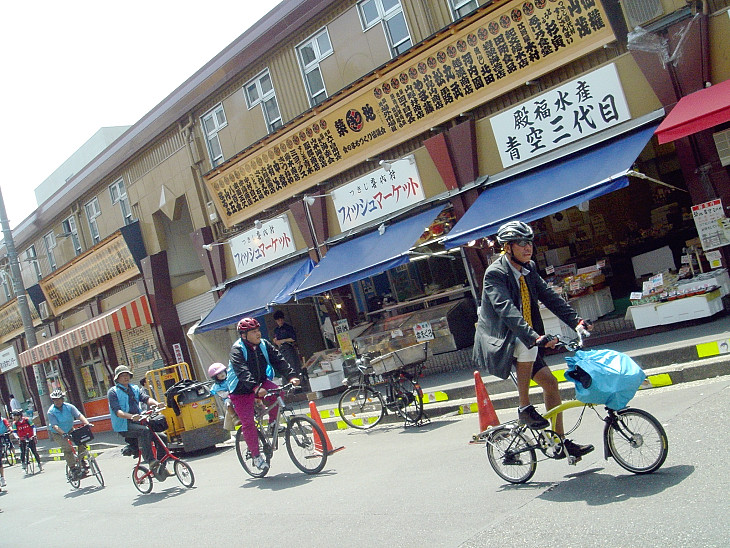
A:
(510, 329)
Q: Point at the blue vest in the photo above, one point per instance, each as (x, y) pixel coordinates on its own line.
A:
(232, 380)
(118, 423)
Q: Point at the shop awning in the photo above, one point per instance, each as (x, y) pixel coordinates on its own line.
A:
(367, 255)
(552, 187)
(254, 295)
(695, 112)
(132, 314)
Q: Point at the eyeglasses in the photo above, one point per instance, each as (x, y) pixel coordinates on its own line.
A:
(522, 243)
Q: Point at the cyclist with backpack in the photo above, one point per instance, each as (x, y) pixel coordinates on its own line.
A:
(25, 431)
(247, 378)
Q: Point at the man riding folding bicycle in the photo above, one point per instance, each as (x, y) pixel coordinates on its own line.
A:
(61, 417)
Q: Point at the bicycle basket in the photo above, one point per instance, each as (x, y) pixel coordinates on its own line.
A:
(158, 423)
(82, 435)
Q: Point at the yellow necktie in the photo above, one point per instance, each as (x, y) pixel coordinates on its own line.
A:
(525, 294)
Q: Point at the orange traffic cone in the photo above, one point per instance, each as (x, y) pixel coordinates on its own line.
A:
(487, 414)
(317, 442)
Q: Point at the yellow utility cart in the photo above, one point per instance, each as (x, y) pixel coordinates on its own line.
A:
(191, 413)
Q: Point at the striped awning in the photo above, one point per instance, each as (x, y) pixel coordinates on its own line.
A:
(132, 314)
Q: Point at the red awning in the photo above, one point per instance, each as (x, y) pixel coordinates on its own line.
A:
(697, 111)
(132, 314)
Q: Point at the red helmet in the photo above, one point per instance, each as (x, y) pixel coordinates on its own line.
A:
(247, 324)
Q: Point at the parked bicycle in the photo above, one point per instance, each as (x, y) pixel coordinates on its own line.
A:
(8, 450)
(363, 406)
(633, 437)
(304, 439)
(142, 477)
(84, 467)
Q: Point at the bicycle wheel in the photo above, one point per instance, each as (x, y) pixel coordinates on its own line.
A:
(245, 458)
(361, 407)
(10, 456)
(510, 455)
(637, 441)
(184, 474)
(142, 479)
(306, 444)
(74, 480)
(407, 398)
(94, 469)
(30, 462)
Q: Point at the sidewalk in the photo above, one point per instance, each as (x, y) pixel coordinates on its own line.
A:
(681, 355)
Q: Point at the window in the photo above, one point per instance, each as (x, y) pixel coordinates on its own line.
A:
(32, 259)
(261, 90)
(50, 240)
(119, 195)
(310, 54)
(213, 122)
(390, 14)
(460, 8)
(92, 212)
(70, 231)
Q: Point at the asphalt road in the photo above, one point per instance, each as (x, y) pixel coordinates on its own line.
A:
(400, 487)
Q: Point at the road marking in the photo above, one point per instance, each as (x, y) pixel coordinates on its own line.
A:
(655, 381)
(433, 397)
(714, 348)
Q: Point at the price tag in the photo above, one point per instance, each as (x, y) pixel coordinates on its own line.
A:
(636, 295)
(423, 331)
(601, 263)
(714, 258)
(686, 259)
(396, 333)
(575, 285)
(549, 269)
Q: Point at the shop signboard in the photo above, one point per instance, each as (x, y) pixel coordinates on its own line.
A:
(710, 220)
(8, 359)
(342, 328)
(378, 194)
(423, 332)
(261, 246)
(484, 56)
(579, 108)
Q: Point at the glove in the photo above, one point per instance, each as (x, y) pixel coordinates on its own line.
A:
(583, 328)
(543, 340)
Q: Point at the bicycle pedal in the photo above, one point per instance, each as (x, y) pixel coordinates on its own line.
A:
(572, 461)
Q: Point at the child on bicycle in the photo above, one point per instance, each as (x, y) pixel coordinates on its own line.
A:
(217, 373)
(25, 431)
(247, 380)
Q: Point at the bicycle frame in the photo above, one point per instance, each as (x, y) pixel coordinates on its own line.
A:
(167, 456)
(261, 412)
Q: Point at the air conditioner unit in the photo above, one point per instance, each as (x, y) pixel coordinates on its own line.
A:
(640, 12)
(722, 142)
(44, 311)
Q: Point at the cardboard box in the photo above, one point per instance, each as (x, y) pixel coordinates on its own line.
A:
(326, 382)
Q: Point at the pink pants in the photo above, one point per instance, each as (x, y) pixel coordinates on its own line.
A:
(243, 404)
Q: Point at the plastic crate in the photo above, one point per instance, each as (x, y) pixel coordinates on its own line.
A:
(399, 359)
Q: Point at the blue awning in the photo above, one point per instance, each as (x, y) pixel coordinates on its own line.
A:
(550, 188)
(253, 296)
(367, 255)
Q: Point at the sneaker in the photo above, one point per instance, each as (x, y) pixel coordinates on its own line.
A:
(2, 481)
(575, 450)
(40, 467)
(532, 419)
(25, 467)
(260, 463)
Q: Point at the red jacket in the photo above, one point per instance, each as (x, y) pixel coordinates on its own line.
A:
(24, 428)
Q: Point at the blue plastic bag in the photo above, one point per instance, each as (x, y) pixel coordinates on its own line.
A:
(614, 377)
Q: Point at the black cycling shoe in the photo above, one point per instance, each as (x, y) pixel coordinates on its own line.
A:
(532, 419)
(574, 450)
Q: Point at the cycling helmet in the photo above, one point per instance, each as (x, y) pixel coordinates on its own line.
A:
(247, 324)
(216, 369)
(514, 231)
(17, 412)
(57, 394)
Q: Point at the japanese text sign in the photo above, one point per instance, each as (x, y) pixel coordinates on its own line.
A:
(378, 194)
(489, 54)
(8, 359)
(423, 331)
(581, 107)
(708, 218)
(262, 245)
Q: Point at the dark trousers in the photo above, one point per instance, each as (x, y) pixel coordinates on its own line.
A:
(144, 437)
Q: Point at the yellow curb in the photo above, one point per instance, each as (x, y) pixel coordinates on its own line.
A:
(433, 397)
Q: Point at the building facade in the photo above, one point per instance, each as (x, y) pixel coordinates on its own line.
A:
(363, 131)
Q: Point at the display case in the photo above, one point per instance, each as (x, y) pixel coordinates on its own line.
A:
(452, 324)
